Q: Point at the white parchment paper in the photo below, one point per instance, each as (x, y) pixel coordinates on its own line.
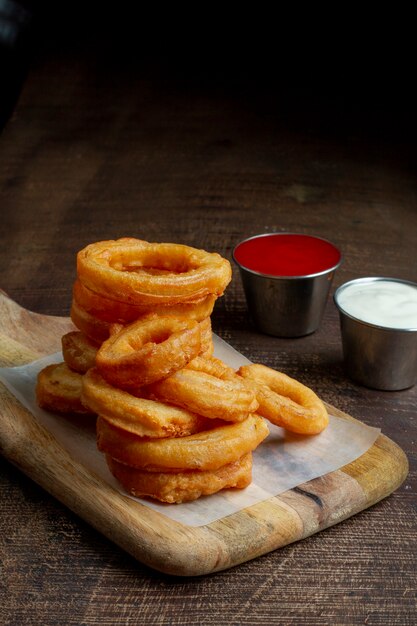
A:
(282, 461)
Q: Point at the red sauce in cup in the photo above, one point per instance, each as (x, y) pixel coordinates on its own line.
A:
(285, 254)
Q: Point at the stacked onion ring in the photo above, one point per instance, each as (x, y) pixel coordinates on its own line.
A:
(143, 315)
(120, 282)
(174, 450)
(174, 422)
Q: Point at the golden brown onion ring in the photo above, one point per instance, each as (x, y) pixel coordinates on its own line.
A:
(79, 351)
(110, 310)
(230, 400)
(138, 272)
(213, 366)
(285, 401)
(58, 389)
(206, 450)
(95, 329)
(182, 486)
(143, 417)
(207, 346)
(148, 350)
(206, 335)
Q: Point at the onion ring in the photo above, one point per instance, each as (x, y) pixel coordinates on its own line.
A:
(182, 486)
(285, 401)
(109, 310)
(79, 351)
(206, 336)
(95, 329)
(140, 416)
(58, 389)
(213, 366)
(206, 450)
(148, 350)
(206, 394)
(138, 272)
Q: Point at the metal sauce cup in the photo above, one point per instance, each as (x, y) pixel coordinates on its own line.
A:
(287, 306)
(375, 355)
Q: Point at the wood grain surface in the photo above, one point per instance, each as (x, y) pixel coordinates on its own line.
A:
(103, 145)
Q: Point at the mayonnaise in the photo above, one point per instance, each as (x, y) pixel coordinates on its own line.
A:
(383, 302)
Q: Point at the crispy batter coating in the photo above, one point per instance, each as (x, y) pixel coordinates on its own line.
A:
(143, 417)
(213, 366)
(148, 350)
(79, 351)
(58, 390)
(110, 310)
(207, 346)
(206, 450)
(206, 394)
(138, 272)
(97, 330)
(285, 401)
(182, 486)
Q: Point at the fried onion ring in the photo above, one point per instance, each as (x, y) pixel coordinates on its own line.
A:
(182, 486)
(206, 450)
(206, 394)
(285, 401)
(206, 335)
(213, 366)
(138, 272)
(140, 416)
(148, 350)
(109, 310)
(95, 329)
(79, 351)
(58, 389)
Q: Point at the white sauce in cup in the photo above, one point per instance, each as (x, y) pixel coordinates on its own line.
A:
(384, 302)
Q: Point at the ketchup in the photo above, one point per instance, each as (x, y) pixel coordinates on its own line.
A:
(287, 254)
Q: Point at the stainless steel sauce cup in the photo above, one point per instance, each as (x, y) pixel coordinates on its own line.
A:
(286, 306)
(377, 356)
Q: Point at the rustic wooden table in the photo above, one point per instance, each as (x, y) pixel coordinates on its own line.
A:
(98, 148)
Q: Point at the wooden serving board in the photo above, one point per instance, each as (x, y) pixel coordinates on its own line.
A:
(152, 538)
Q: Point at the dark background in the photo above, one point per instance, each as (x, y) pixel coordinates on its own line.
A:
(344, 68)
